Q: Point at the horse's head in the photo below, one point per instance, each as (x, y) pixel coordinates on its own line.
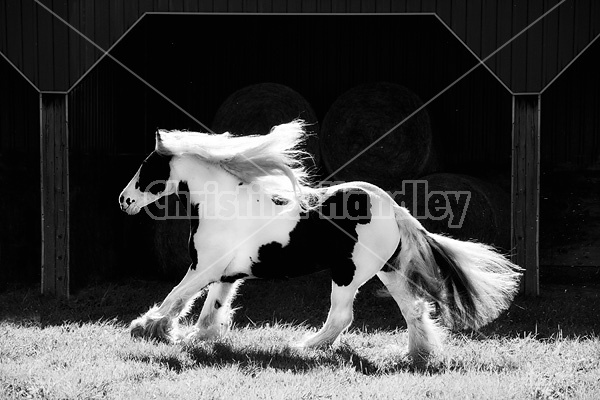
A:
(152, 181)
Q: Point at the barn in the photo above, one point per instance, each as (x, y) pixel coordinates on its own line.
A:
(511, 90)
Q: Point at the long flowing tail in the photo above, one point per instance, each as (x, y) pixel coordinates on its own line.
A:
(470, 282)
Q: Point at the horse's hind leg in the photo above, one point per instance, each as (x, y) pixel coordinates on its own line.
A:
(215, 318)
(339, 318)
(424, 335)
(365, 263)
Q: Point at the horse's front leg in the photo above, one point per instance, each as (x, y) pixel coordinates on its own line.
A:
(216, 315)
(159, 321)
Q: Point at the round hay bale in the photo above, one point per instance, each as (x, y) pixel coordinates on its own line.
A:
(362, 115)
(255, 109)
(434, 163)
(433, 200)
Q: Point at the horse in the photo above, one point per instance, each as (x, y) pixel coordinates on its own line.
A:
(256, 213)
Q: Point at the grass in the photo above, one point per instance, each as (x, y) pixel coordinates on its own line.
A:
(542, 348)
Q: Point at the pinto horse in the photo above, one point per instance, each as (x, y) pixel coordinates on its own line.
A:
(255, 214)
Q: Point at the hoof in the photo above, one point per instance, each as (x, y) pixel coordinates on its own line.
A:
(181, 333)
(419, 359)
(311, 343)
(151, 327)
(300, 345)
(136, 330)
(193, 334)
(207, 334)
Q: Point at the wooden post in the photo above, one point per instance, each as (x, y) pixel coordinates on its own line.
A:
(54, 175)
(525, 189)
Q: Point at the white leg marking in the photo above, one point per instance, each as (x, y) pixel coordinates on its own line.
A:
(159, 322)
(424, 335)
(370, 254)
(339, 318)
(216, 315)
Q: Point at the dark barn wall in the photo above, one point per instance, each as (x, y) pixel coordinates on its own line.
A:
(200, 62)
(321, 57)
(571, 117)
(20, 224)
(570, 165)
(109, 138)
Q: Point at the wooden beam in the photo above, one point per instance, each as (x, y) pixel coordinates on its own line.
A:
(54, 175)
(525, 189)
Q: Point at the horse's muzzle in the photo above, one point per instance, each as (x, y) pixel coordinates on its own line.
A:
(128, 205)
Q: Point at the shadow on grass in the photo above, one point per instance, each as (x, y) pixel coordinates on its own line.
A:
(285, 359)
(219, 354)
(253, 361)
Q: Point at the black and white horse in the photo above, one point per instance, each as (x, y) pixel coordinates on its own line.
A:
(255, 215)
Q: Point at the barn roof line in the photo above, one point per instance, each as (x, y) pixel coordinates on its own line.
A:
(549, 84)
(480, 60)
(106, 53)
(37, 89)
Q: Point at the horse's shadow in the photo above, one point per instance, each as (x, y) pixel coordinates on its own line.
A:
(286, 359)
(253, 361)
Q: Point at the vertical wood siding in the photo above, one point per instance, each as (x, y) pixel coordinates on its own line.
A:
(54, 160)
(525, 183)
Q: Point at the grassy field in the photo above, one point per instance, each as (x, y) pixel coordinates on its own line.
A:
(542, 348)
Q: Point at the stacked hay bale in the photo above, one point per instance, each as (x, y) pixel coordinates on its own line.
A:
(255, 109)
(252, 110)
(439, 202)
(406, 155)
(371, 113)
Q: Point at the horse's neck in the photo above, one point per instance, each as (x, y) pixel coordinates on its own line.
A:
(213, 187)
(201, 176)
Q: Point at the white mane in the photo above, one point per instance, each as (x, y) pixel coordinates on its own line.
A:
(260, 158)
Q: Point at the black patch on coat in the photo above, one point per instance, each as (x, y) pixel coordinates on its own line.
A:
(323, 238)
(154, 173)
(390, 265)
(183, 191)
(233, 278)
(194, 223)
(453, 277)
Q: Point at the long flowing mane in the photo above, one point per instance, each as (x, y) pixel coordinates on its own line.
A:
(274, 160)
